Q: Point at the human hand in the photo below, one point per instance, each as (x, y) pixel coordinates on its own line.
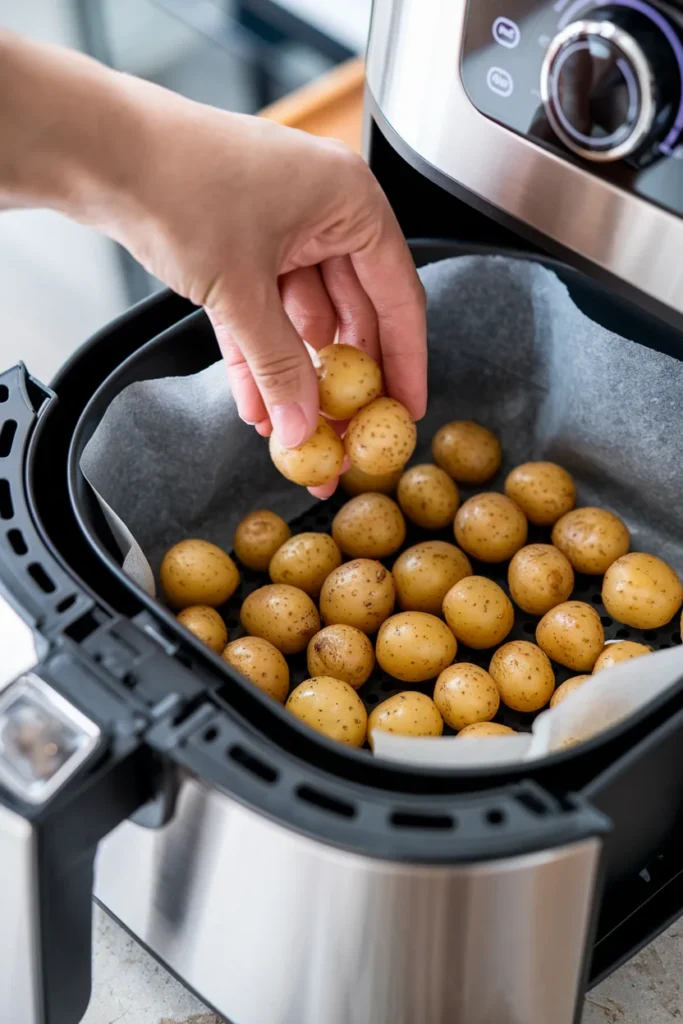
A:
(281, 237)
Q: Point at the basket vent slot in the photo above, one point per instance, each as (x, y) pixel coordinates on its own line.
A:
(6, 506)
(326, 802)
(9, 429)
(17, 542)
(4, 392)
(252, 764)
(423, 820)
(41, 578)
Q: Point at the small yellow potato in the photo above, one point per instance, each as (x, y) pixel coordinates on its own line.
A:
(428, 497)
(642, 591)
(354, 481)
(539, 577)
(359, 593)
(567, 687)
(591, 538)
(206, 624)
(572, 635)
(305, 561)
(261, 663)
(197, 572)
(311, 464)
(406, 714)
(381, 437)
(342, 652)
(348, 379)
(414, 646)
(257, 538)
(490, 527)
(523, 675)
(543, 490)
(369, 526)
(485, 729)
(283, 615)
(469, 453)
(424, 574)
(622, 650)
(479, 612)
(332, 707)
(465, 694)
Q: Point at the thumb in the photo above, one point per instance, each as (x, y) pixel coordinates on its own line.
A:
(277, 360)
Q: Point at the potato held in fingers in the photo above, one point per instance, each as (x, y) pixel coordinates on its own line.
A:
(354, 481)
(348, 380)
(314, 463)
(381, 437)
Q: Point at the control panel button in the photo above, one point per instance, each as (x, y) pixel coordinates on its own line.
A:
(500, 81)
(506, 32)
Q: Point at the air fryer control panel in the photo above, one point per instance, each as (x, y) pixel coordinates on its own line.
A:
(598, 81)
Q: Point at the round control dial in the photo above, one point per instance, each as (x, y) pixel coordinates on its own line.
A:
(599, 88)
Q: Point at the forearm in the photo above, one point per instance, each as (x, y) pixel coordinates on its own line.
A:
(68, 128)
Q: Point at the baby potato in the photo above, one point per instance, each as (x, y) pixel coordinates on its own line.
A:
(332, 707)
(354, 481)
(311, 464)
(359, 593)
(490, 527)
(197, 572)
(348, 379)
(426, 572)
(523, 675)
(369, 526)
(572, 635)
(622, 650)
(283, 615)
(406, 714)
(428, 497)
(641, 591)
(342, 652)
(485, 729)
(469, 453)
(381, 437)
(261, 663)
(543, 490)
(567, 687)
(414, 646)
(591, 538)
(465, 694)
(305, 561)
(257, 538)
(479, 612)
(539, 577)
(206, 624)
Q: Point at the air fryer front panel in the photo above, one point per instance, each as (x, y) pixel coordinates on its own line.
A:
(466, 107)
(270, 926)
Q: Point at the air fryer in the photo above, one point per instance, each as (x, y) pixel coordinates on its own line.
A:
(287, 880)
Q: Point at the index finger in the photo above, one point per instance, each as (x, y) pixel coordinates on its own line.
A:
(387, 273)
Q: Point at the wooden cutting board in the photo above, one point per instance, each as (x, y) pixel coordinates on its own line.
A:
(332, 105)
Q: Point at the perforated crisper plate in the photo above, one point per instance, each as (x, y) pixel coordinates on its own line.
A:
(380, 686)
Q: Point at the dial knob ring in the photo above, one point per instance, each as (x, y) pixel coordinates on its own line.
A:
(629, 61)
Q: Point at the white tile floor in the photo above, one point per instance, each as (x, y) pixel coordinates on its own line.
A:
(59, 283)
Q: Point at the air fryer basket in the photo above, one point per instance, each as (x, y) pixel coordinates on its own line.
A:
(634, 772)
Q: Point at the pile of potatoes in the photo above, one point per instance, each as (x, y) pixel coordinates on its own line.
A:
(336, 598)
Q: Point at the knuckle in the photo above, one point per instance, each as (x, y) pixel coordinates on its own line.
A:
(278, 372)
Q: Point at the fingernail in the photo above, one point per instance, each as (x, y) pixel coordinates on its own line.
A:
(249, 423)
(289, 424)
